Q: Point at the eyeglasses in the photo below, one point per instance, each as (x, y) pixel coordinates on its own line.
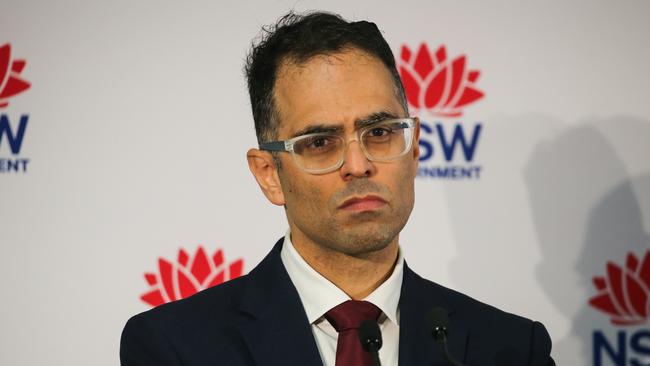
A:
(324, 152)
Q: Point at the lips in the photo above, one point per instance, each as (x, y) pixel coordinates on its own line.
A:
(366, 203)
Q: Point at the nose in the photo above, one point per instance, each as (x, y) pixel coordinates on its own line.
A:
(356, 164)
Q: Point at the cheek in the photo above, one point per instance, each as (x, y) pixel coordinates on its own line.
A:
(405, 181)
(303, 196)
(412, 170)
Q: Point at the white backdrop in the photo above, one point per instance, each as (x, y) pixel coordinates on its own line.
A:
(139, 121)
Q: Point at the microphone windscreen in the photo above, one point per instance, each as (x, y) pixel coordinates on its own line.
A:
(370, 336)
(438, 322)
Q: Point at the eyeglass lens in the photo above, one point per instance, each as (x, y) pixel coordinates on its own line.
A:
(381, 142)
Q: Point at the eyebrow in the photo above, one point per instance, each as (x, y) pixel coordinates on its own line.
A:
(318, 128)
(359, 123)
(373, 118)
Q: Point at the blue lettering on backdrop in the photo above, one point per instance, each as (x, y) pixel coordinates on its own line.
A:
(13, 165)
(617, 353)
(451, 172)
(448, 147)
(435, 137)
(458, 138)
(426, 148)
(15, 140)
(640, 344)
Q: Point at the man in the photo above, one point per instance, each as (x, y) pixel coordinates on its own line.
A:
(339, 151)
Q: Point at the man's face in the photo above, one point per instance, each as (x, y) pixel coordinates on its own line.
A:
(361, 207)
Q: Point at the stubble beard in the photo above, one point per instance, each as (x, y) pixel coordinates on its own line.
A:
(361, 238)
(353, 234)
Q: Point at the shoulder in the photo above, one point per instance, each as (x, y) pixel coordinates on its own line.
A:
(490, 330)
(211, 305)
(480, 314)
(473, 310)
(207, 320)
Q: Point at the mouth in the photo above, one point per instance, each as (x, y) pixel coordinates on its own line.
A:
(365, 203)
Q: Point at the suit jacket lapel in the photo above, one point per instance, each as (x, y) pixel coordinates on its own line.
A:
(416, 344)
(276, 328)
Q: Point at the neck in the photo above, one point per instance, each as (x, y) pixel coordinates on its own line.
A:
(357, 275)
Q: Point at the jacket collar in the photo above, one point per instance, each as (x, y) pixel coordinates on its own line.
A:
(278, 331)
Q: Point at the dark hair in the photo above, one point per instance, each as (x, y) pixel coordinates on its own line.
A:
(297, 38)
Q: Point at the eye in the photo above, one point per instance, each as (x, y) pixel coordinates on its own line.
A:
(379, 131)
(317, 144)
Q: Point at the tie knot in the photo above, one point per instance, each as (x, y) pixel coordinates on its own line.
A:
(350, 314)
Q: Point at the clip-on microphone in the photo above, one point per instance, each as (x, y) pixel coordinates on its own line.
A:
(370, 338)
(438, 323)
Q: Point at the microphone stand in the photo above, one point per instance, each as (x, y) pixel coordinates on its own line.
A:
(442, 342)
(375, 358)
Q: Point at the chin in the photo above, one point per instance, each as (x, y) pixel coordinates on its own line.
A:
(364, 242)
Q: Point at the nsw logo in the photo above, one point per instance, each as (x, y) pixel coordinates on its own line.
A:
(11, 83)
(189, 275)
(12, 128)
(623, 294)
(439, 88)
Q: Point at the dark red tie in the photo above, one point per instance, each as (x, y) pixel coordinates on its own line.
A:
(346, 319)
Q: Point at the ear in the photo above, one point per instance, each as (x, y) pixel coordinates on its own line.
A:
(264, 170)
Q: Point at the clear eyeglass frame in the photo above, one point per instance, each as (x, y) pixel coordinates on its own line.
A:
(406, 124)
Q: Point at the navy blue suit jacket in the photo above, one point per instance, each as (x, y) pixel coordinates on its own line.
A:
(258, 319)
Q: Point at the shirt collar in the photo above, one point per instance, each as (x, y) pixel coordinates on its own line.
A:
(319, 295)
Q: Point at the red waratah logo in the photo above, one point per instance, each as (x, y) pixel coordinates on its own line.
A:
(190, 275)
(624, 293)
(435, 84)
(10, 81)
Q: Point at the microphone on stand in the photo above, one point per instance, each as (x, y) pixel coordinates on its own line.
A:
(438, 323)
(370, 338)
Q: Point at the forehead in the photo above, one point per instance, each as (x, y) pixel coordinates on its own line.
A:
(334, 89)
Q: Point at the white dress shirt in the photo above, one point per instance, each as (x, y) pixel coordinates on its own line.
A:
(319, 295)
